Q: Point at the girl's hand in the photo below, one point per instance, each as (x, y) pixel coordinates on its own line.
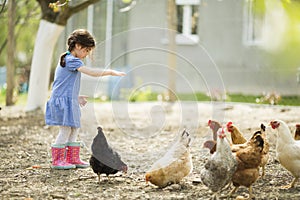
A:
(117, 73)
(82, 100)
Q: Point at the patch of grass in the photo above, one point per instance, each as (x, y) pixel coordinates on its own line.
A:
(20, 99)
(193, 97)
(2, 97)
(144, 94)
(148, 95)
(242, 98)
(290, 100)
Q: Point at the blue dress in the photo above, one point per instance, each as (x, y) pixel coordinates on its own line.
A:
(62, 108)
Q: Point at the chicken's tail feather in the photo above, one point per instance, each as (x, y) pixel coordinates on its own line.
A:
(259, 139)
(262, 127)
(186, 135)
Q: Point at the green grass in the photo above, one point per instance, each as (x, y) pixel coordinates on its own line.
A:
(290, 100)
(152, 96)
(19, 99)
(194, 97)
(242, 98)
(2, 97)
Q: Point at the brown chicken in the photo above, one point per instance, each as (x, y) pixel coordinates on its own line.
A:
(212, 144)
(174, 165)
(265, 156)
(297, 132)
(248, 156)
(236, 136)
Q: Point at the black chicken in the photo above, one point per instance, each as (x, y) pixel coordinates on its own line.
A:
(104, 159)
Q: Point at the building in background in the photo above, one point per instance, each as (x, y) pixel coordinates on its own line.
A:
(219, 47)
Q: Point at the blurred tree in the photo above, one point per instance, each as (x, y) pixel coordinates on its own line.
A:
(288, 52)
(2, 6)
(55, 15)
(25, 23)
(22, 22)
(281, 38)
(10, 52)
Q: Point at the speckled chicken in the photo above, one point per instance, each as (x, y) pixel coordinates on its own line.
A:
(220, 167)
(174, 165)
(104, 159)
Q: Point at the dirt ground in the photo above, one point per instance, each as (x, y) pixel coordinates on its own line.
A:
(141, 133)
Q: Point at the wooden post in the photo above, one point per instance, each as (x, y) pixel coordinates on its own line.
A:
(172, 27)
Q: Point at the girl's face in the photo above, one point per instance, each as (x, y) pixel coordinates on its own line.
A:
(81, 52)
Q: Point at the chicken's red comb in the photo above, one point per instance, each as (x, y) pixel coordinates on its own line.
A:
(229, 124)
(209, 122)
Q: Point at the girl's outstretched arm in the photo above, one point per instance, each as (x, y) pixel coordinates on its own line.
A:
(98, 72)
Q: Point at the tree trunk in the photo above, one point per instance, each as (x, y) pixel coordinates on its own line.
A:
(172, 23)
(51, 26)
(46, 39)
(10, 72)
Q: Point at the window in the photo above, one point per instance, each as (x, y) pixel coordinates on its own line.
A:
(254, 19)
(187, 21)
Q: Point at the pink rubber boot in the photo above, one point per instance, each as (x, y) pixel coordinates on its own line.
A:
(72, 156)
(58, 158)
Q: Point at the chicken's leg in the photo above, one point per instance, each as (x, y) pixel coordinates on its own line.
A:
(263, 171)
(232, 191)
(248, 198)
(294, 181)
(215, 196)
(98, 178)
(227, 186)
(250, 192)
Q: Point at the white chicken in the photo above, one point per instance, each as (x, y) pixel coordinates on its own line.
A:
(174, 165)
(220, 167)
(287, 150)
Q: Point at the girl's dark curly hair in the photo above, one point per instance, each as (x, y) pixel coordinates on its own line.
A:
(81, 37)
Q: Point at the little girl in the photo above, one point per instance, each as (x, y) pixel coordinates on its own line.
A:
(63, 107)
